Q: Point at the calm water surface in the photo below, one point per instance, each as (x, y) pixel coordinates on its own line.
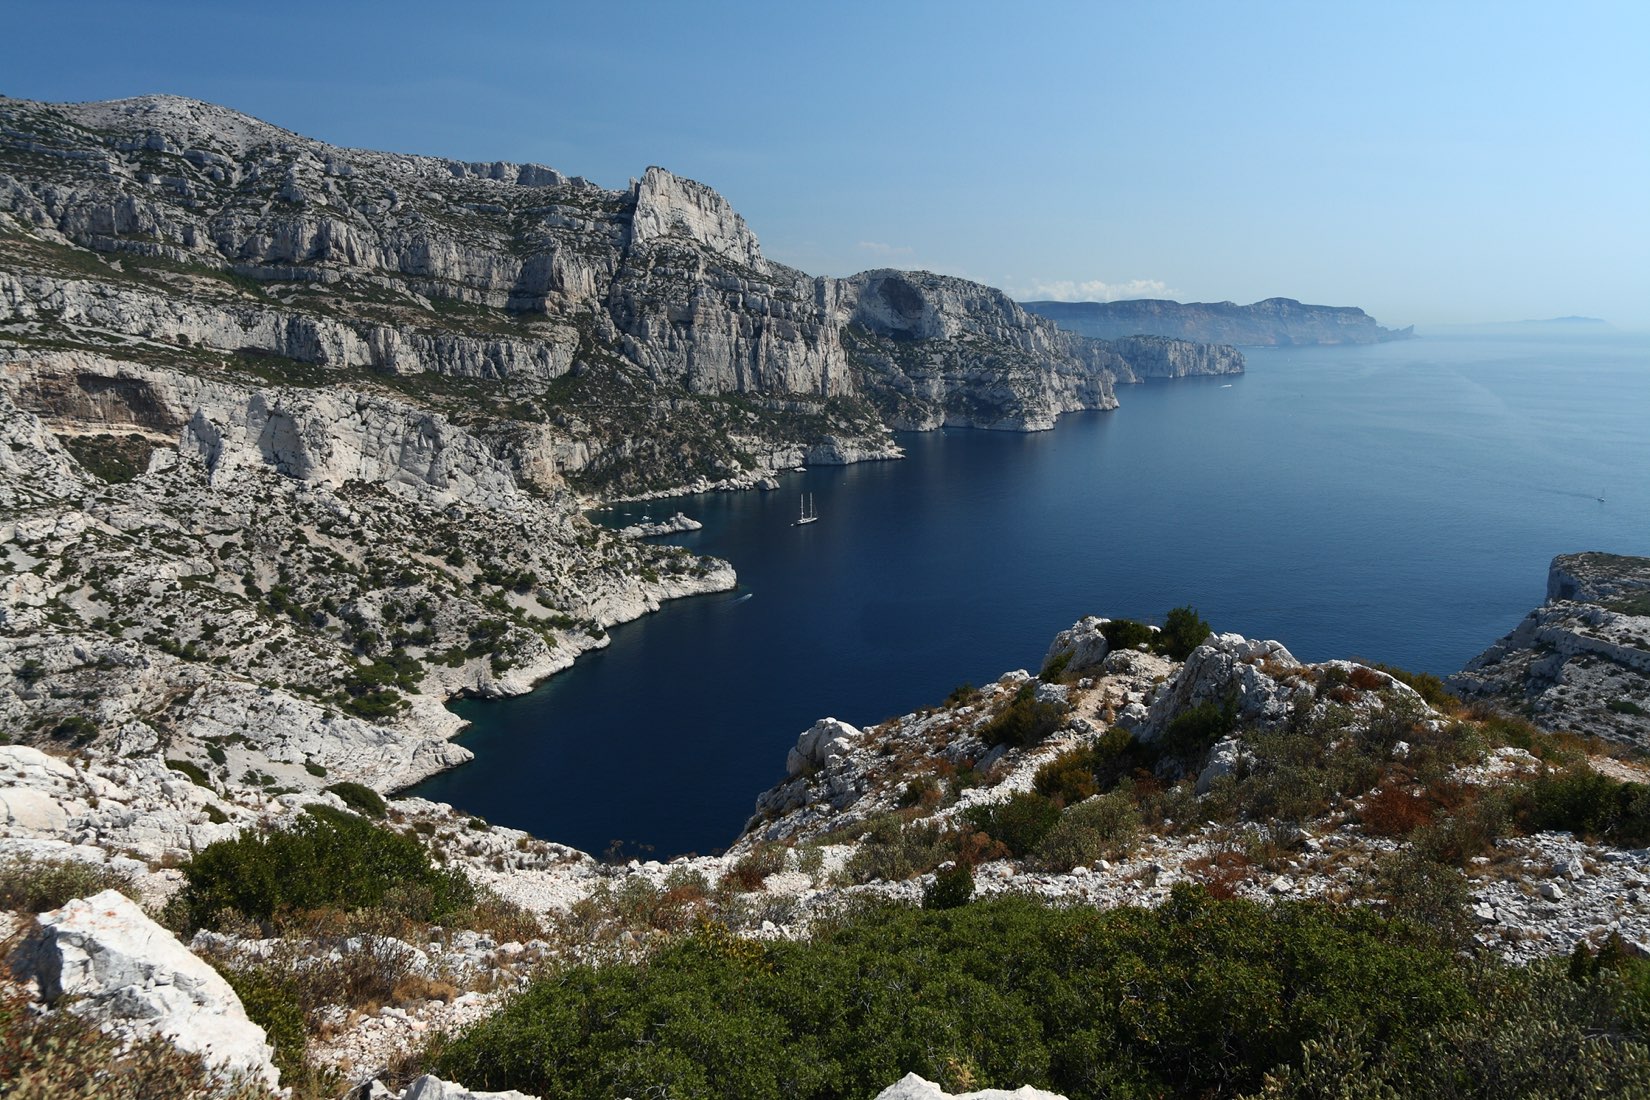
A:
(1397, 502)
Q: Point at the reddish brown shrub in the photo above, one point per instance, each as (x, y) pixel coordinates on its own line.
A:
(1396, 810)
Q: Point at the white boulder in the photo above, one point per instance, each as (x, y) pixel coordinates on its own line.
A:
(1226, 668)
(431, 1087)
(1083, 644)
(124, 970)
(913, 1087)
(826, 738)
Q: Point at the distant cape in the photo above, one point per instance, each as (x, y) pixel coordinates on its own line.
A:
(1273, 322)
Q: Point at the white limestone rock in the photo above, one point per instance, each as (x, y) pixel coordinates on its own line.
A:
(1224, 759)
(1227, 667)
(1083, 644)
(825, 739)
(122, 969)
(914, 1087)
(431, 1087)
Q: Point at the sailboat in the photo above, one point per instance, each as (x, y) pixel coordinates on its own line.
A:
(805, 509)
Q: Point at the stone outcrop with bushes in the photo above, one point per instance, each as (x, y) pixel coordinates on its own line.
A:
(1582, 659)
(351, 938)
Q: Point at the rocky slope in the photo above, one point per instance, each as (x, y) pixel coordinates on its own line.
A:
(1581, 661)
(1315, 780)
(1273, 322)
(640, 331)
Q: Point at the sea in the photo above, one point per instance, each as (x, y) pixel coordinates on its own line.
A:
(1397, 502)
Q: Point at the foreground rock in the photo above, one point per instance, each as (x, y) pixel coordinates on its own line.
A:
(1581, 661)
(913, 1087)
(118, 967)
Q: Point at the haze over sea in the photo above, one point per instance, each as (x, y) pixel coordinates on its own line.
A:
(1398, 502)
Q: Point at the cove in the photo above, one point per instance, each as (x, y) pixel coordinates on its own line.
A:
(1397, 502)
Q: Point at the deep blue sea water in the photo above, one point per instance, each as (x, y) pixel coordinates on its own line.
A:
(1398, 502)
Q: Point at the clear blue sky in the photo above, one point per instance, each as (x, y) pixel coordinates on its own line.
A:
(1433, 163)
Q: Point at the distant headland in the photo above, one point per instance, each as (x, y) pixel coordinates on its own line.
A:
(1275, 322)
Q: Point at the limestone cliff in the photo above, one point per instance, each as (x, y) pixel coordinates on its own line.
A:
(1275, 321)
(641, 330)
(1581, 661)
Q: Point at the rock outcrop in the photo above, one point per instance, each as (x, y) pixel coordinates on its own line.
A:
(115, 965)
(1581, 661)
(1275, 321)
(187, 234)
(913, 1087)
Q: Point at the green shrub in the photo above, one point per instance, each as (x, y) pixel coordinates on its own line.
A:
(1191, 732)
(360, 798)
(1068, 778)
(1533, 1034)
(1127, 634)
(271, 1002)
(1020, 823)
(1197, 998)
(1024, 721)
(951, 887)
(32, 885)
(1580, 800)
(1183, 631)
(1429, 895)
(191, 769)
(327, 858)
(1429, 687)
(1105, 826)
(894, 850)
(1054, 669)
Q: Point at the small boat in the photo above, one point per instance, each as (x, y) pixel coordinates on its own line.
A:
(805, 509)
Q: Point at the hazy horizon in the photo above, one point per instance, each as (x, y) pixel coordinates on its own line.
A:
(1475, 164)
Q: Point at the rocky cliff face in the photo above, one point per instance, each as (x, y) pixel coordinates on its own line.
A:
(1581, 661)
(626, 322)
(1276, 321)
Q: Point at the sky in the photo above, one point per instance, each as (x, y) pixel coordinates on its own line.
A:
(1434, 163)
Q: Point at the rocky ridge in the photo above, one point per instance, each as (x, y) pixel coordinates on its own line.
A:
(1279, 322)
(1581, 661)
(161, 223)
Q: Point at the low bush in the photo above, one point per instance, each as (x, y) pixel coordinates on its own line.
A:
(750, 870)
(271, 1001)
(1054, 669)
(895, 850)
(327, 858)
(1105, 826)
(193, 771)
(32, 885)
(1068, 778)
(1183, 631)
(1024, 721)
(951, 887)
(1580, 800)
(1127, 634)
(1019, 823)
(1193, 730)
(62, 1056)
(1200, 997)
(1429, 687)
(360, 798)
